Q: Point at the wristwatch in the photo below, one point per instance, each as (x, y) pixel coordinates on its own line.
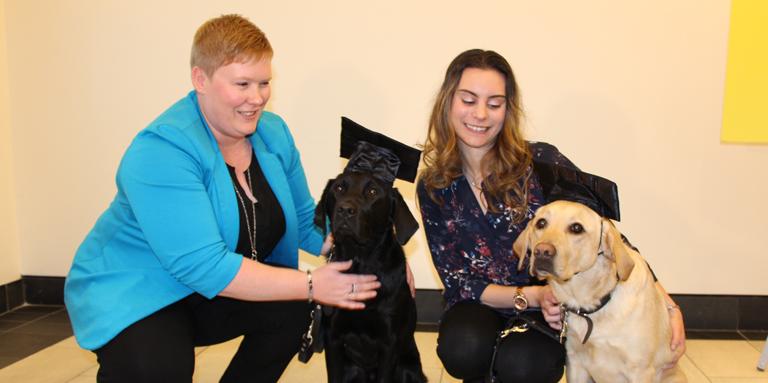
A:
(520, 301)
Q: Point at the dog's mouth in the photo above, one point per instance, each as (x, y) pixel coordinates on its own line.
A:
(544, 268)
(344, 229)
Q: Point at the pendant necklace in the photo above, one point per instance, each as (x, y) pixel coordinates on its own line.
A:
(471, 179)
(251, 233)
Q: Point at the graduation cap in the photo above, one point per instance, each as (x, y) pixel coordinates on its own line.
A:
(566, 183)
(369, 151)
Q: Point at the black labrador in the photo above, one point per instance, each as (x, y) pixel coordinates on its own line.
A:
(370, 221)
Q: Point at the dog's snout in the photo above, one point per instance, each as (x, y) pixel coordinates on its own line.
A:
(544, 251)
(346, 209)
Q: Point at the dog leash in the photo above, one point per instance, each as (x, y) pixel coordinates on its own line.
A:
(565, 311)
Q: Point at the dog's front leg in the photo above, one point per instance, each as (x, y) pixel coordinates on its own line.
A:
(643, 375)
(334, 363)
(576, 373)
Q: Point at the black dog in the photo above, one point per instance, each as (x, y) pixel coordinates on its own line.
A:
(370, 221)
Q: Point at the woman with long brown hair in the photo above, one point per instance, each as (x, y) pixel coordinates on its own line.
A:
(476, 195)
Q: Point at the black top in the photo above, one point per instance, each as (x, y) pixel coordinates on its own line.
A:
(270, 221)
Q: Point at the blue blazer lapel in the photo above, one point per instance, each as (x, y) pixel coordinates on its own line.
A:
(219, 183)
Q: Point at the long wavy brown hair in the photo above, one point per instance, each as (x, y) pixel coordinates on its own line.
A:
(506, 164)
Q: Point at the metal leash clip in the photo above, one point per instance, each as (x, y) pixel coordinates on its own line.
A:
(564, 321)
(519, 327)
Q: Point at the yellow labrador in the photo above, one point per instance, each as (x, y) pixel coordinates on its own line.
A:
(616, 321)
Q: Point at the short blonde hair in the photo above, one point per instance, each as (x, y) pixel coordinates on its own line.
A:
(226, 39)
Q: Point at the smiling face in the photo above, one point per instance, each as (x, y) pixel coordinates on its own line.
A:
(233, 98)
(478, 109)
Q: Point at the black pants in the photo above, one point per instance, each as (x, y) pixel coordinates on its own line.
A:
(467, 337)
(160, 347)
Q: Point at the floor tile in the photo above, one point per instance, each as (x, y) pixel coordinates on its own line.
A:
(23, 316)
(45, 326)
(6, 361)
(61, 362)
(39, 309)
(83, 379)
(313, 371)
(6, 325)
(691, 371)
(58, 316)
(754, 335)
(426, 342)
(211, 362)
(724, 359)
(706, 361)
(713, 334)
(758, 345)
(91, 372)
(22, 345)
(433, 374)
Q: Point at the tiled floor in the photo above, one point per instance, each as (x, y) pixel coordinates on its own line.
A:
(707, 360)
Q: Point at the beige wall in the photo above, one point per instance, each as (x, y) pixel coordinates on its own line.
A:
(9, 239)
(628, 90)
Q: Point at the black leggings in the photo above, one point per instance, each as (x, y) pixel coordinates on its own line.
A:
(160, 347)
(467, 337)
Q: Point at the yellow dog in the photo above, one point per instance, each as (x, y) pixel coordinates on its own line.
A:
(615, 318)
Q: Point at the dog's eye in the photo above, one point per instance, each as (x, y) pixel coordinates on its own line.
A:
(372, 192)
(576, 228)
(338, 188)
(541, 223)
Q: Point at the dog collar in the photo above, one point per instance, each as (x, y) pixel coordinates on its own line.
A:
(565, 310)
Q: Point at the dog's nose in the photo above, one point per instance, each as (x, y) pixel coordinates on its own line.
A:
(346, 209)
(544, 251)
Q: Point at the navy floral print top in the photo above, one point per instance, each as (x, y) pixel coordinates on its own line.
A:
(471, 250)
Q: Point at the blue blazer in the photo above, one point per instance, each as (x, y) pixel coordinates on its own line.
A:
(173, 226)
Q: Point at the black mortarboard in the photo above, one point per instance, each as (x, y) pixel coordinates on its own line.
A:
(564, 183)
(374, 152)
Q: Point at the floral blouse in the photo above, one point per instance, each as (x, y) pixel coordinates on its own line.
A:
(471, 250)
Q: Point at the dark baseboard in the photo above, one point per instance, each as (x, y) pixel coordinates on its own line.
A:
(32, 290)
(11, 296)
(701, 312)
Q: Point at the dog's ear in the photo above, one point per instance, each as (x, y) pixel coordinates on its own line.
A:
(616, 250)
(321, 211)
(522, 246)
(404, 222)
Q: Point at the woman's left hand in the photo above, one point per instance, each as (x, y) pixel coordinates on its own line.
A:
(410, 280)
(677, 327)
(327, 245)
(550, 307)
(678, 335)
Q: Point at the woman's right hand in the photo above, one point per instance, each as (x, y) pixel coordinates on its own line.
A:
(550, 307)
(330, 286)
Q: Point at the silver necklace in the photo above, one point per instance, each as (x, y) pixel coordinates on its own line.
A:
(251, 233)
(472, 181)
(480, 196)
